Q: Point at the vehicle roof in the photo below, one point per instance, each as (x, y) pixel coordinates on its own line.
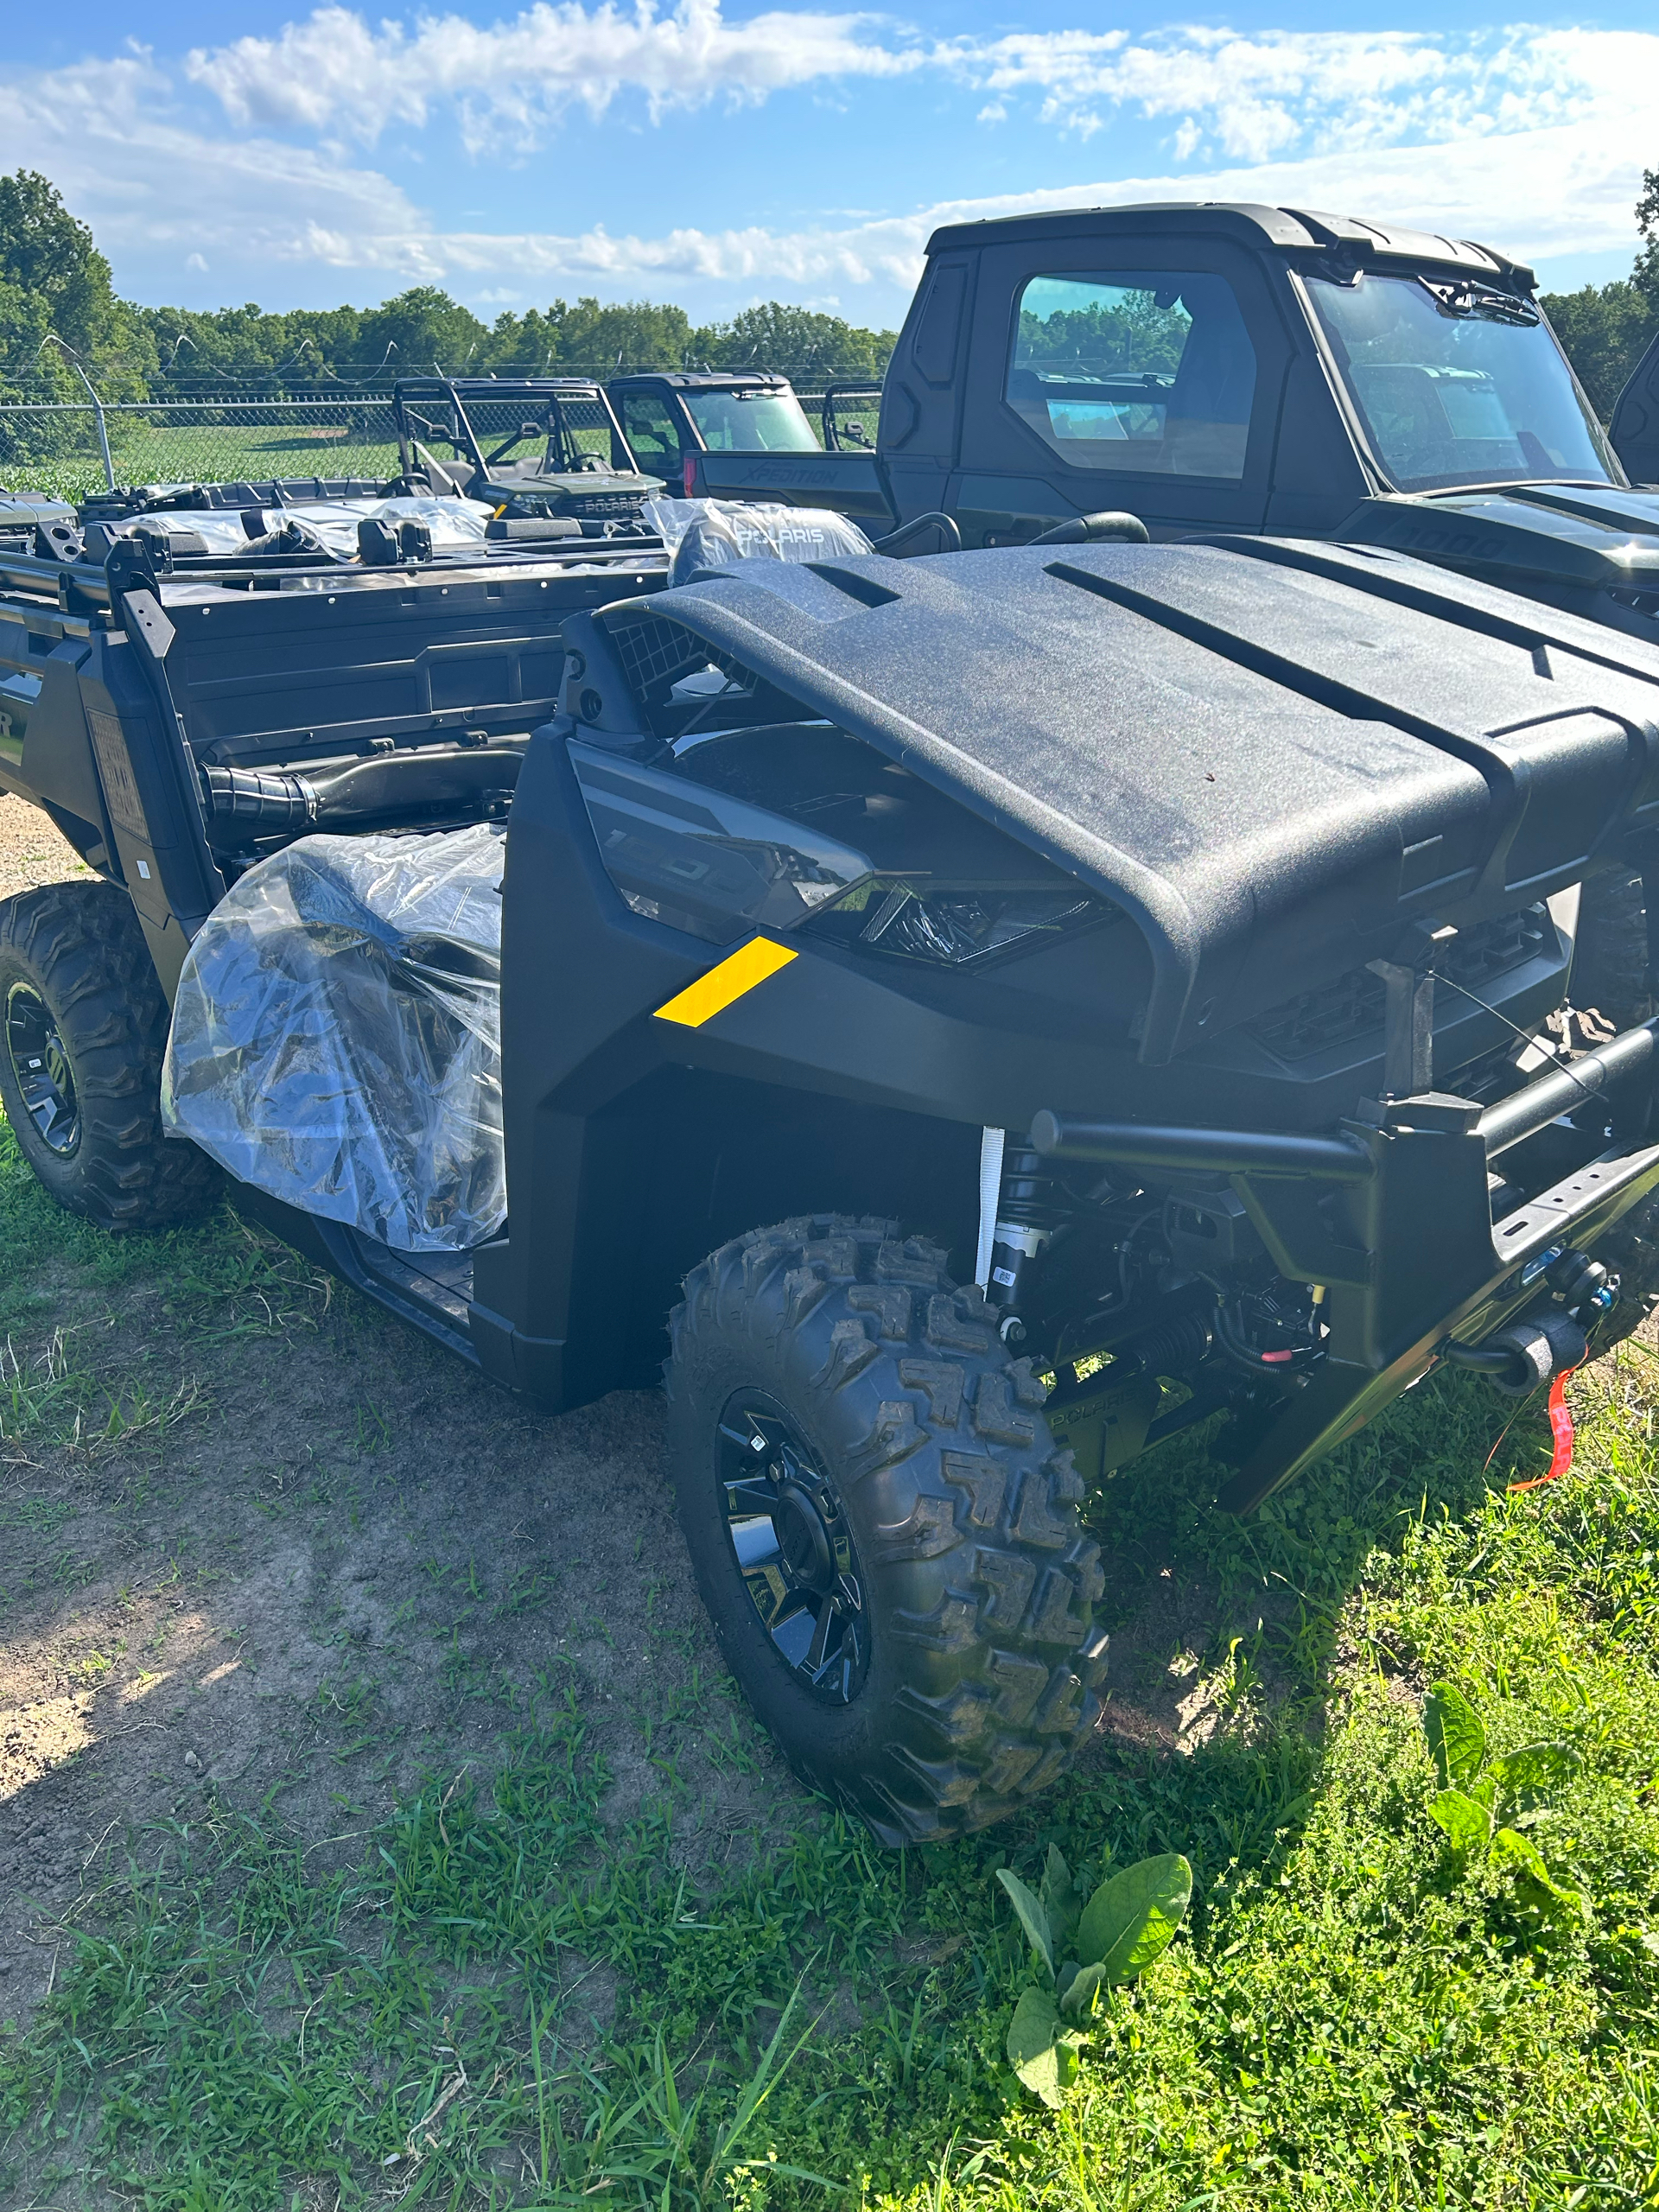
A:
(1284, 230)
(1239, 742)
(506, 387)
(703, 379)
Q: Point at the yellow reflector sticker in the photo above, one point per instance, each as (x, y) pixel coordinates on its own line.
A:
(712, 993)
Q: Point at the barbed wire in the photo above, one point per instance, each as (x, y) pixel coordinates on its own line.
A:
(376, 380)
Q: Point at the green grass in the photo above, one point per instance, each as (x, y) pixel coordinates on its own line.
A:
(164, 454)
(212, 1283)
(1348, 2019)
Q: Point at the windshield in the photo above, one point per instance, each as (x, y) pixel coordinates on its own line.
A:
(1458, 384)
(750, 422)
(573, 433)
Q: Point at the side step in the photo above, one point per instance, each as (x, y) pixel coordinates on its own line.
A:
(433, 1290)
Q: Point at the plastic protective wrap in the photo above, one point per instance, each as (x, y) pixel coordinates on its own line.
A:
(337, 1036)
(714, 533)
(454, 523)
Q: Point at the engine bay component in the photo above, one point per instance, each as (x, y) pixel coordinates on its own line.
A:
(1520, 1357)
(474, 774)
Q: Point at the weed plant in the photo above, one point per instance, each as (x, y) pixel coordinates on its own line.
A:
(495, 1999)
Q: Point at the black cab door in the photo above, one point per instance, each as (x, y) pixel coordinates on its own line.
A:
(657, 428)
(1113, 371)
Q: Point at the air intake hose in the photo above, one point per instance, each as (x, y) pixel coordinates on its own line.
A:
(270, 802)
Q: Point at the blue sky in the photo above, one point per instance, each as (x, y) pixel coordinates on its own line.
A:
(717, 154)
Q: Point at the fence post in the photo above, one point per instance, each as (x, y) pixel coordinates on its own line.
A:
(74, 359)
(103, 427)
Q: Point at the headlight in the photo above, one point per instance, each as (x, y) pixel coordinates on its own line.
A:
(701, 861)
(952, 924)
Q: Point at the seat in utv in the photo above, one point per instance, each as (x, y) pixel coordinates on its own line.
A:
(977, 1017)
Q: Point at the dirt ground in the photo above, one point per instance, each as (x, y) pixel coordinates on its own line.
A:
(321, 1559)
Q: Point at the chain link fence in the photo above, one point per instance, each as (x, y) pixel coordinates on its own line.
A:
(71, 448)
(59, 447)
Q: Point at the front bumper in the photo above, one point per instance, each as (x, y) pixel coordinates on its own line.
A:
(1394, 1217)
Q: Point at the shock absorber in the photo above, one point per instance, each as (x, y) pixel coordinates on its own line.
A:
(1028, 1214)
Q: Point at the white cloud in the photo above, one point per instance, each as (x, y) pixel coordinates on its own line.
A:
(334, 71)
(1534, 140)
(1243, 98)
(112, 137)
(1567, 187)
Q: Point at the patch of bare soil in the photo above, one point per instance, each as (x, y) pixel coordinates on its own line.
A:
(31, 850)
(323, 1560)
(335, 1561)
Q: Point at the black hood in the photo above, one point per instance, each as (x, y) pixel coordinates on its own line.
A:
(1594, 537)
(1278, 757)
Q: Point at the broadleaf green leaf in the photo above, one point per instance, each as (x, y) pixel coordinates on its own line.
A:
(1043, 2062)
(1060, 1898)
(1525, 1779)
(1132, 1916)
(1523, 1857)
(1456, 1741)
(1467, 1824)
(1032, 1918)
(1078, 1991)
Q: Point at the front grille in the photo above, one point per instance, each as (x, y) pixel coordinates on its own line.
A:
(656, 653)
(603, 506)
(1356, 1004)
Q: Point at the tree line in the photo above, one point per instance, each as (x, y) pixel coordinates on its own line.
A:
(57, 298)
(1606, 328)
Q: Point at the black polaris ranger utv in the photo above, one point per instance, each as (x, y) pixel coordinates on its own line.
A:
(535, 446)
(1251, 368)
(993, 1012)
(731, 433)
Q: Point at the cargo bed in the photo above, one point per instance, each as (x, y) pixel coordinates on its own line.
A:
(179, 720)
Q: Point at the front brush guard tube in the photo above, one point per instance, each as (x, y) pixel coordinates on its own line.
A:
(1395, 1219)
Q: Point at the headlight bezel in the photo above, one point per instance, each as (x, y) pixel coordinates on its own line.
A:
(701, 860)
(954, 925)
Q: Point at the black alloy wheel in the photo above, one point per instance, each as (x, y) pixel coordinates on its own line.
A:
(794, 1549)
(83, 1034)
(40, 1069)
(884, 1535)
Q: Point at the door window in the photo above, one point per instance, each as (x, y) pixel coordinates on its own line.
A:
(1150, 371)
(651, 430)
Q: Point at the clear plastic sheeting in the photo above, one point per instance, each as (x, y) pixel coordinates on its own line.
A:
(454, 523)
(714, 533)
(336, 1040)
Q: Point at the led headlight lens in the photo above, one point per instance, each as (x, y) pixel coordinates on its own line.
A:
(952, 925)
(703, 862)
